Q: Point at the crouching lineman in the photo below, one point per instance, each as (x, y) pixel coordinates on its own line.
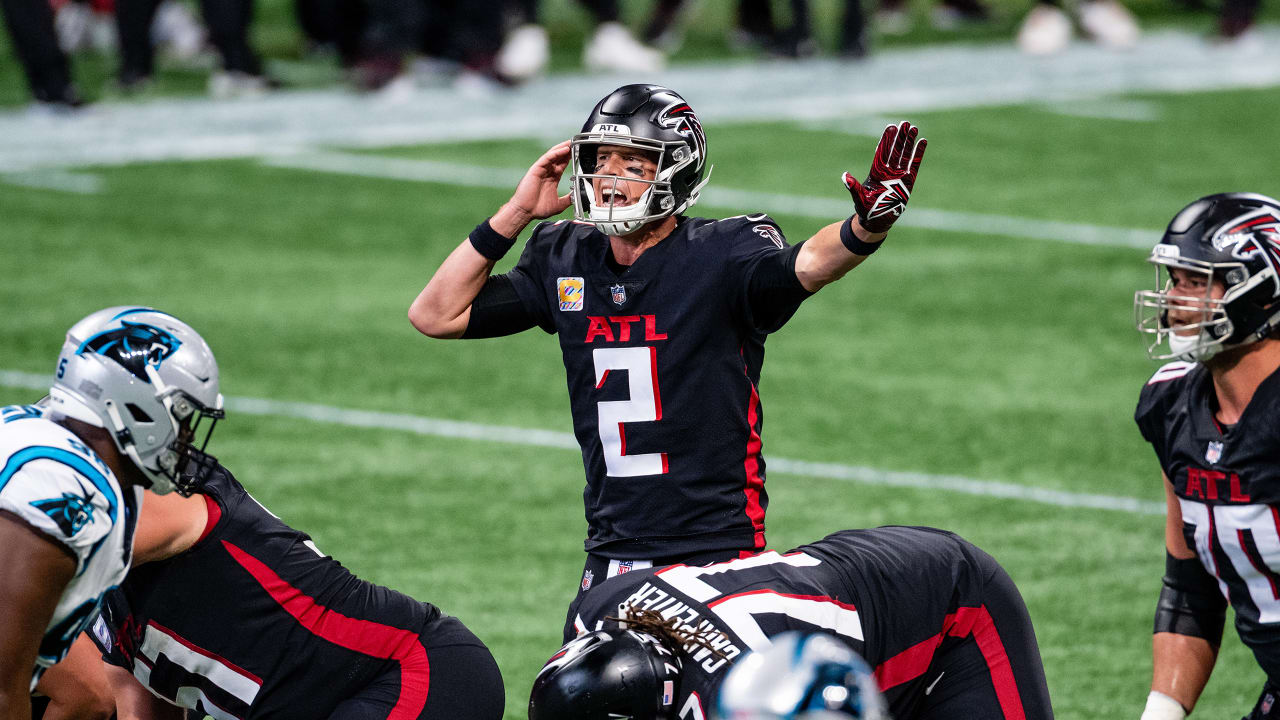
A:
(1211, 418)
(130, 388)
(232, 613)
(228, 611)
(940, 621)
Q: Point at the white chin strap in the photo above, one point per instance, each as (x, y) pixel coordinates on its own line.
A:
(1188, 347)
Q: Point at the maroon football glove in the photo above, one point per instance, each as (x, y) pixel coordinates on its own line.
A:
(882, 197)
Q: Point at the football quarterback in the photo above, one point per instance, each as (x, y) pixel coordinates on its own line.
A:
(662, 318)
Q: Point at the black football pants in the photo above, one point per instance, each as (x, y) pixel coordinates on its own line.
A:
(987, 665)
(30, 24)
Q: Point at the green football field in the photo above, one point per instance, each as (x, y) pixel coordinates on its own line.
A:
(963, 378)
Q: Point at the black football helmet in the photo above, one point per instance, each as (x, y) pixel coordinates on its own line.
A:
(650, 118)
(1231, 238)
(608, 674)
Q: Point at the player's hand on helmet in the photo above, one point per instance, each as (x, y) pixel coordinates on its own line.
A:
(538, 193)
(882, 197)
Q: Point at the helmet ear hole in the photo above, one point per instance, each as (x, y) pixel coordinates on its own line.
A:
(138, 414)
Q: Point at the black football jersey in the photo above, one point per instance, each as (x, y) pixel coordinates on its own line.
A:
(891, 593)
(663, 362)
(254, 622)
(1227, 480)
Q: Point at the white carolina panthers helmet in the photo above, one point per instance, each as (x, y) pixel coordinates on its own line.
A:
(148, 378)
(801, 676)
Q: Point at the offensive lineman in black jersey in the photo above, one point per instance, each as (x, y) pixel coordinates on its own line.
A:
(1212, 418)
(662, 319)
(940, 621)
(231, 613)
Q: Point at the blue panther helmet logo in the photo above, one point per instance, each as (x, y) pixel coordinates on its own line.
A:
(134, 346)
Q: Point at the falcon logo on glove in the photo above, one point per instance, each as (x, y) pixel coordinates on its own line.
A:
(882, 197)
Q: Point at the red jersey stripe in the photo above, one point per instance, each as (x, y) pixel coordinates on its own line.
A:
(364, 636)
(755, 483)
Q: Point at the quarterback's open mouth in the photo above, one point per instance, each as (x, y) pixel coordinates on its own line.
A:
(617, 199)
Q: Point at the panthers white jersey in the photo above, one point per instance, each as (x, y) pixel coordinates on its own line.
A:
(59, 486)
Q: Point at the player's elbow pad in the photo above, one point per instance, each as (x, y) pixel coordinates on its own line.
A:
(1190, 603)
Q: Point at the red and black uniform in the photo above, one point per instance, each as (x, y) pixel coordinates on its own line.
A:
(254, 622)
(940, 621)
(1227, 481)
(663, 362)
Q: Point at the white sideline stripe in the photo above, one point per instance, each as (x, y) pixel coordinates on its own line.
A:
(377, 166)
(548, 438)
(1112, 109)
(54, 179)
(909, 80)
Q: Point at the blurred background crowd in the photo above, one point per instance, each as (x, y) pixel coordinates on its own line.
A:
(381, 45)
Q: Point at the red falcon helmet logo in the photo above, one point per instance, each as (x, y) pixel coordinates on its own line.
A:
(678, 116)
(1251, 234)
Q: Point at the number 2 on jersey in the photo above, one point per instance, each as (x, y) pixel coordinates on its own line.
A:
(644, 405)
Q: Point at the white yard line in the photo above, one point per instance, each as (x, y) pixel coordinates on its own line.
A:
(436, 427)
(738, 201)
(891, 83)
(53, 179)
(1142, 111)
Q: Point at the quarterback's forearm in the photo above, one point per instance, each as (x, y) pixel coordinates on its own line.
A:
(1181, 666)
(443, 307)
(823, 258)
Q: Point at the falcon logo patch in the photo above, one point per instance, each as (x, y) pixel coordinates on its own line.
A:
(770, 233)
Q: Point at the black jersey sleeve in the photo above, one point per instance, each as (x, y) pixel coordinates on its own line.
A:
(108, 631)
(498, 311)
(528, 278)
(764, 266)
(1156, 400)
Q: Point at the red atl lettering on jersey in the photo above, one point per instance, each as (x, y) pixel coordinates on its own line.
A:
(1204, 485)
(599, 327)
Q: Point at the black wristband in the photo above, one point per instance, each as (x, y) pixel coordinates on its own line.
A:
(851, 241)
(489, 242)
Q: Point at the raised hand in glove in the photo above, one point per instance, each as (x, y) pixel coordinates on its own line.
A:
(882, 197)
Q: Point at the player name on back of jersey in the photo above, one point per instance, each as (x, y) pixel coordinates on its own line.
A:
(651, 597)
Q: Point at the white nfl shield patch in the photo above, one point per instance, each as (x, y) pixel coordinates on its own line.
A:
(619, 294)
(1214, 453)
